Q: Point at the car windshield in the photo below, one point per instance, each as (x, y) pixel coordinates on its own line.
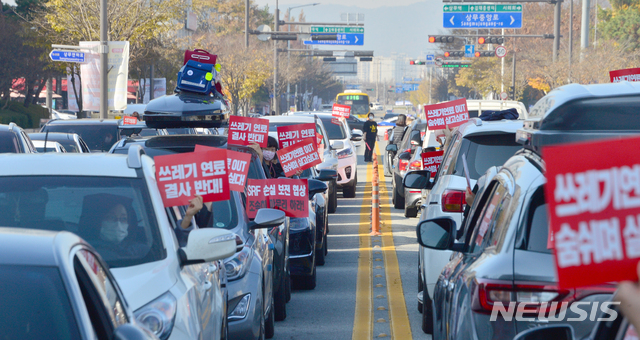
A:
(114, 215)
(49, 148)
(35, 304)
(99, 137)
(8, 142)
(334, 130)
(69, 145)
(485, 151)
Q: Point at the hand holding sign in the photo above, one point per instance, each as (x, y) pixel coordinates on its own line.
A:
(292, 134)
(431, 161)
(237, 166)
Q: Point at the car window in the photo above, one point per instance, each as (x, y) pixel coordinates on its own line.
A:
(537, 224)
(9, 142)
(448, 157)
(113, 214)
(225, 214)
(69, 145)
(334, 130)
(483, 152)
(35, 304)
(99, 137)
(490, 229)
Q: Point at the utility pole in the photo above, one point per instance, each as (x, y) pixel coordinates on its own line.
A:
(584, 28)
(276, 101)
(246, 24)
(556, 29)
(513, 76)
(104, 65)
(151, 83)
(570, 37)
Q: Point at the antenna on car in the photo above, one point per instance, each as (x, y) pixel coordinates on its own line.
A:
(45, 141)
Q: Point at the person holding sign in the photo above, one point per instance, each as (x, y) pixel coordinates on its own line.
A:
(269, 160)
(370, 129)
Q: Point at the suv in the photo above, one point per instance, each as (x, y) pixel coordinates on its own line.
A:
(71, 142)
(14, 140)
(505, 235)
(99, 134)
(162, 280)
(411, 140)
(476, 107)
(413, 197)
(484, 144)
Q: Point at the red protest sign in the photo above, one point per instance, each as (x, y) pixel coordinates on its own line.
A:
(182, 176)
(300, 156)
(453, 113)
(237, 166)
(127, 120)
(630, 74)
(431, 161)
(341, 111)
(245, 130)
(256, 198)
(594, 211)
(292, 134)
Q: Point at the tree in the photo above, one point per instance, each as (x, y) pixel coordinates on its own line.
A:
(621, 23)
(12, 48)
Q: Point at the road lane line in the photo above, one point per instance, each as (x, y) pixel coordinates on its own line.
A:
(362, 322)
(398, 316)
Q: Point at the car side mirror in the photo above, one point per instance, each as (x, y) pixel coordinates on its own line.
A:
(316, 187)
(338, 144)
(418, 179)
(356, 135)
(416, 140)
(556, 332)
(207, 245)
(405, 155)
(326, 175)
(437, 233)
(268, 218)
(392, 148)
(132, 332)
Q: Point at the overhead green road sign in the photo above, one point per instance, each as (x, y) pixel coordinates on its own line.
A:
(337, 29)
(454, 65)
(482, 8)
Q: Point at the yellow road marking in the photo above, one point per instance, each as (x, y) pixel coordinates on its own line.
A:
(362, 322)
(398, 316)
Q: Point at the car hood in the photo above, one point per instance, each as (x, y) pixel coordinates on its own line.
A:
(143, 283)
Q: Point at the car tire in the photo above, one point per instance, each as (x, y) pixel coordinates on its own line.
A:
(399, 201)
(262, 320)
(280, 300)
(269, 326)
(321, 254)
(288, 286)
(308, 282)
(386, 169)
(420, 288)
(349, 192)
(326, 246)
(410, 212)
(333, 199)
(427, 314)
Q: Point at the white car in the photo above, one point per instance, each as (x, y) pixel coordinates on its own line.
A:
(377, 107)
(51, 146)
(476, 107)
(175, 291)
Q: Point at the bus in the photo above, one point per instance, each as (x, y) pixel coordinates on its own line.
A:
(358, 101)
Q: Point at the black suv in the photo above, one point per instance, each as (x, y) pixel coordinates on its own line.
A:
(14, 140)
(98, 134)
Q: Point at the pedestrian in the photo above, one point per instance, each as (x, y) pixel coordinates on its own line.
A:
(370, 129)
(399, 129)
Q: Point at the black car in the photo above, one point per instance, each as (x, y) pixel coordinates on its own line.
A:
(401, 156)
(14, 140)
(98, 134)
(355, 123)
(71, 142)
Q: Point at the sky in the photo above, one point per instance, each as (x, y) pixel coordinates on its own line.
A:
(10, 2)
(355, 3)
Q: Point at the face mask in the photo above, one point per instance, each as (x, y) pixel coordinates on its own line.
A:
(268, 155)
(371, 117)
(114, 231)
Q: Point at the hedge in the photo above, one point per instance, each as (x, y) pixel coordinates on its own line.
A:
(25, 117)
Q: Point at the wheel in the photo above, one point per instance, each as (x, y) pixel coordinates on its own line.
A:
(288, 287)
(326, 246)
(410, 212)
(420, 288)
(308, 282)
(349, 192)
(399, 202)
(427, 314)
(262, 321)
(386, 168)
(321, 254)
(269, 326)
(333, 199)
(280, 300)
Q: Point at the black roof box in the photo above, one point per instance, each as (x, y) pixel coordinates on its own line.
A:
(186, 110)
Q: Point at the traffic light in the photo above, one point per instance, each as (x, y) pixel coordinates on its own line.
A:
(512, 93)
(485, 54)
(416, 62)
(440, 38)
(454, 54)
(490, 40)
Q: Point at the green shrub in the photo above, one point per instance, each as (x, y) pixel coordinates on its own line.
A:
(25, 117)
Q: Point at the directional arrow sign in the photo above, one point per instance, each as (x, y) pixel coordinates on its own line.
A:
(337, 29)
(67, 56)
(482, 20)
(343, 39)
(469, 51)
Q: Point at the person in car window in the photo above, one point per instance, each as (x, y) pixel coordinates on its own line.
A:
(270, 163)
(399, 129)
(370, 129)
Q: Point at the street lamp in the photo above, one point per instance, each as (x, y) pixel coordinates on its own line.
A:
(289, 47)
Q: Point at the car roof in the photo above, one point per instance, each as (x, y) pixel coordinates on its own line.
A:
(85, 121)
(54, 136)
(169, 141)
(66, 164)
(40, 142)
(8, 127)
(476, 125)
(34, 247)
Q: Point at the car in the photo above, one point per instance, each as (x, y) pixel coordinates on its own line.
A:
(390, 114)
(400, 162)
(13, 139)
(51, 146)
(320, 210)
(163, 281)
(477, 106)
(413, 197)
(72, 142)
(56, 286)
(63, 114)
(325, 107)
(252, 282)
(98, 134)
(327, 149)
(140, 129)
(377, 106)
(484, 144)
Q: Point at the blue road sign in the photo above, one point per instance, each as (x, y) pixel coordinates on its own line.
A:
(398, 89)
(482, 20)
(469, 51)
(431, 59)
(67, 56)
(343, 39)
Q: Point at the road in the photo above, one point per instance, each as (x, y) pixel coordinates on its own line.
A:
(368, 286)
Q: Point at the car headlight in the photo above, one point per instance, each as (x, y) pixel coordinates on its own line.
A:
(159, 315)
(237, 265)
(345, 153)
(299, 224)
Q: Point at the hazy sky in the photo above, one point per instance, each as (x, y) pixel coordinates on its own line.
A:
(10, 2)
(355, 3)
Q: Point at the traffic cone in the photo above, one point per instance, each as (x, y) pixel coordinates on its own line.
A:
(375, 198)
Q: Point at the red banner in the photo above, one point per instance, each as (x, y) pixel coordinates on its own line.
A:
(630, 74)
(594, 211)
(300, 156)
(237, 166)
(182, 176)
(245, 130)
(431, 161)
(341, 111)
(288, 195)
(128, 120)
(452, 114)
(256, 198)
(292, 134)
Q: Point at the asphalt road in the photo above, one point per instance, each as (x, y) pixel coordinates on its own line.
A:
(383, 303)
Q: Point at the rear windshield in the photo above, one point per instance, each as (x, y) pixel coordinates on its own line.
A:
(335, 131)
(114, 215)
(99, 137)
(622, 113)
(485, 151)
(35, 304)
(9, 142)
(69, 145)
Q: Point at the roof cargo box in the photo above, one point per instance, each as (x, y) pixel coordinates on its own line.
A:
(186, 110)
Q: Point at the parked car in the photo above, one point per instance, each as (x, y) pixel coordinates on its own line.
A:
(13, 139)
(51, 146)
(174, 290)
(326, 107)
(139, 129)
(402, 153)
(413, 197)
(72, 142)
(377, 106)
(390, 114)
(56, 286)
(476, 107)
(254, 287)
(98, 134)
(327, 155)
